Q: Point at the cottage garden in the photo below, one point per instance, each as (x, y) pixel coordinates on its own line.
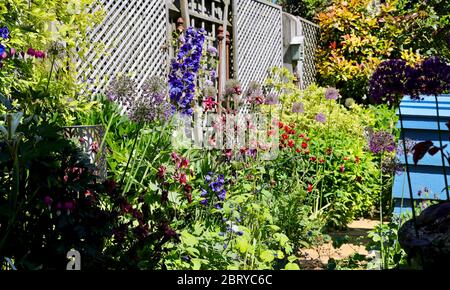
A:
(324, 157)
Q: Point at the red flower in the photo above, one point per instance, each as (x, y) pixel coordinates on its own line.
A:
(310, 188)
(307, 139)
(313, 158)
(298, 150)
(321, 161)
(209, 103)
(182, 178)
(184, 163)
(342, 168)
(285, 136)
(333, 45)
(291, 143)
(357, 159)
(307, 152)
(301, 135)
(287, 129)
(304, 145)
(280, 125)
(162, 171)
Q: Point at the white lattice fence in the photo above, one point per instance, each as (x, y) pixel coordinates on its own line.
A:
(134, 35)
(258, 39)
(311, 33)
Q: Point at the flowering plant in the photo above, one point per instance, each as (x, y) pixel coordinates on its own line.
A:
(184, 69)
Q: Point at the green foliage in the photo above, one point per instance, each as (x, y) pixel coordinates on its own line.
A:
(49, 85)
(346, 183)
(357, 36)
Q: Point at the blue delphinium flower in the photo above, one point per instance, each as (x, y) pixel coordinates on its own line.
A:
(184, 70)
(215, 183)
(2, 49)
(4, 32)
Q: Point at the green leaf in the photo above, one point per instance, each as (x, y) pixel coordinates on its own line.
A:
(291, 266)
(267, 256)
(188, 239)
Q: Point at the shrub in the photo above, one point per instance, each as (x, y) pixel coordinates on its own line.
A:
(356, 36)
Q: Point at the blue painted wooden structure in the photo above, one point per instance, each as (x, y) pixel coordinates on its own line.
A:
(420, 124)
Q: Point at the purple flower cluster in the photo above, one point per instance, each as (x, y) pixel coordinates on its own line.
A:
(298, 108)
(215, 189)
(435, 76)
(331, 94)
(184, 70)
(321, 118)
(153, 104)
(388, 81)
(381, 141)
(4, 33)
(394, 78)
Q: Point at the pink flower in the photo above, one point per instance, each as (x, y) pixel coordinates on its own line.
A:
(182, 178)
(48, 201)
(31, 52)
(3, 55)
(229, 153)
(12, 51)
(68, 205)
(82, 140)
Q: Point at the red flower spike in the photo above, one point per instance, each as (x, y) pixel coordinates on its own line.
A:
(310, 187)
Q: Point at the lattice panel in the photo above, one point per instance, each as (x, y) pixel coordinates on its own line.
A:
(134, 35)
(259, 45)
(311, 33)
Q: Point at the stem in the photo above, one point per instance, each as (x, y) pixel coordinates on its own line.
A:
(50, 74)
(444, 170)
(131, 155)
(383, 264)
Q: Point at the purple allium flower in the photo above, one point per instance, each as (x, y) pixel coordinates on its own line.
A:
(388, 81)
(204, 201)
(122, 90)
(209, 83)
(212, 50)
(321, 118)
(298, 108)
(409, 146)
(271, 99)
(331, 94)
(153, 104)
(381, 141)
(4, 32)
(435, 75)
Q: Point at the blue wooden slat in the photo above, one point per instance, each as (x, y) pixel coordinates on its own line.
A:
(432, 179)
(420, 124)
